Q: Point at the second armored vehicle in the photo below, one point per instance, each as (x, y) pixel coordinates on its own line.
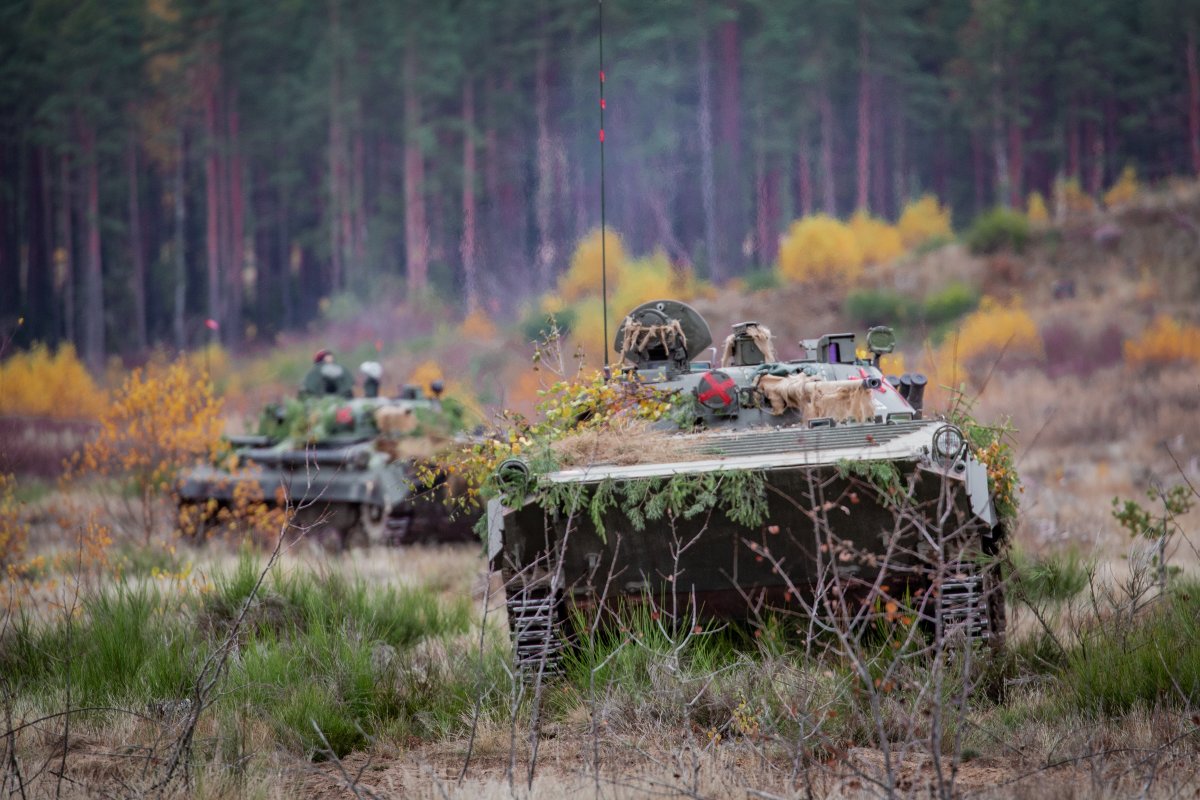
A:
(345, 465)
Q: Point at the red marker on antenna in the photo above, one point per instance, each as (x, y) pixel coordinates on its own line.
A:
(211, 324)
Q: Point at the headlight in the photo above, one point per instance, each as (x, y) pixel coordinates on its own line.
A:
(948, 443)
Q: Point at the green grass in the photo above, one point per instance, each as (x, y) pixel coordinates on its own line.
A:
(880, 307)
(761, 280)
(141, 561)
(321, 650)
(1152, 661)
(1049, 579)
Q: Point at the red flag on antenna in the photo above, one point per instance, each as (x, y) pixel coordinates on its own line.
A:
(211, 324)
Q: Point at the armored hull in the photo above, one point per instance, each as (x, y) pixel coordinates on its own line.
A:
(762, 509)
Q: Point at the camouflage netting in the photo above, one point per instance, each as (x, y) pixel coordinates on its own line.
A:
(761, 335)
(817, 398)
(637, 337)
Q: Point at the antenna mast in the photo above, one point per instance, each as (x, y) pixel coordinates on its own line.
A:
(603, 227)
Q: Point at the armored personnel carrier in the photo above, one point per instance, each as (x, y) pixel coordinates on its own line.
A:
(805, 487)
(345, 465)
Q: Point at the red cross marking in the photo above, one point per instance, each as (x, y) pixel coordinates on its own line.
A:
(717, 389)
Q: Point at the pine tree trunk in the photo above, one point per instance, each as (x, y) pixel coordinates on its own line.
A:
(1016, 165)
(491, 171)
(236, 259)
(358, 192)
(467, 247)
(999, 144)
(1193, 77)
(544, 196)
(212, 195)
(337, 146)
(767, 195)
(180, 243)
(225, 215)
(804, 173)
(93, 308)
(10, 240)
(416, 232)
(730, 185)
(40, 288)
(1073, 141)
(67, 245)
(289, 259)
(861, 201)
(879, 172)
(708, 191)
(828, 189)
(137, 280)
(1095, 139)
(900, 159)
(980, 175)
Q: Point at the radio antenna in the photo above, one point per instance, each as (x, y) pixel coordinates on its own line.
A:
(603, 227)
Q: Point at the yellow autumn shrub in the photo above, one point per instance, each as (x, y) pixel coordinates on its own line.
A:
(1124, 190)
(924, 220)
(587, 332)
(993, 331)
(583, 277)
(1165, 341)
(879, 242)
(820, 247)
(643, 280)
(42, 382)
(1071, 197)
(1035, 209)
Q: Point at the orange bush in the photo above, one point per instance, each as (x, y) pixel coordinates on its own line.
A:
(1035, 209)
(924, 220)
(879, 241)
(820, 247)
(1165, 341)
(161, 420)
(478, 326)
(1124, 190)
(40, 382)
